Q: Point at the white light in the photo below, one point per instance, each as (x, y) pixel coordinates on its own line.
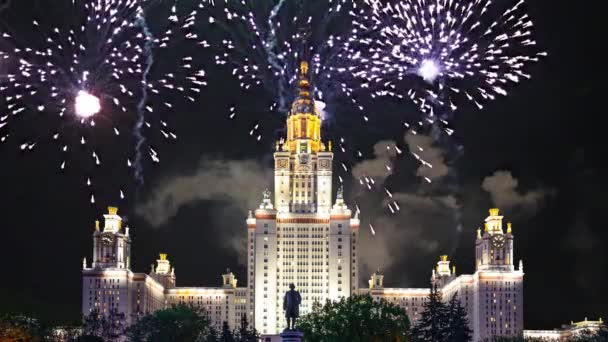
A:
(320, 108)
(429, 70)
(86, 105)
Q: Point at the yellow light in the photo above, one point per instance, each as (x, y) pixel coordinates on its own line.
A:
(112, 210)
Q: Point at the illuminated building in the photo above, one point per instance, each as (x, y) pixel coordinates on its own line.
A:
(301, 238)
(110, 284)
(301, 235)
(567, 332)
(492, 296)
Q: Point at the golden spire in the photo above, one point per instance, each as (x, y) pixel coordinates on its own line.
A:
(163, 256)
(494, 212)
(304, 122)
(485, 229)
(509, 228)
(97, 225)
(304, 68)
(112, 210)
(444, 258)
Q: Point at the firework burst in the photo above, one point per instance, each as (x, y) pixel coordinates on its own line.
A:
(96, 72)
(263, 43)
(440, 52)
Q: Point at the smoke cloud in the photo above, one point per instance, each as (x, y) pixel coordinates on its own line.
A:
(503, 189)
(375, 168)
(423, 229)
(4, 4)
(433, 166)
(237, 182)
(424, 226)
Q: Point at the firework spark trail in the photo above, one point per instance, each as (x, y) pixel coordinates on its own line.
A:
(140, 139)
(269, 54)
(270, 46)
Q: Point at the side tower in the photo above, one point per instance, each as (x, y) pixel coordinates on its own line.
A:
(112, 246)
(498, 299)
(105, 285)
(301, 238)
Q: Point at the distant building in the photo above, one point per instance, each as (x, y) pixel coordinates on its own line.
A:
(567, 331)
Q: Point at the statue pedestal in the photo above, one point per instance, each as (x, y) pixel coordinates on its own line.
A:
(292, 336)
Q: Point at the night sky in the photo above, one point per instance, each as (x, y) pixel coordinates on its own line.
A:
(545, 136)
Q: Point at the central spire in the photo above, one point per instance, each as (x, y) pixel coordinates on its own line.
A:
(304, 102)
(303, 121)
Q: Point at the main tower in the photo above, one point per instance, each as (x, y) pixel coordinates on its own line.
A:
(300, 238)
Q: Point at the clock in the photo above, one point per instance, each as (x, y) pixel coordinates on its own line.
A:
(107, 239)
(282, 163)
(498, 241)
(304, 158)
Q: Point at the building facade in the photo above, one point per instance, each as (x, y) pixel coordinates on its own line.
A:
(492, 296)
(567, 331)
(302, 235)
(301, 238)
(109, 284)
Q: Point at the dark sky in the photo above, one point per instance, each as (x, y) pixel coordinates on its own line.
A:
(546, 134)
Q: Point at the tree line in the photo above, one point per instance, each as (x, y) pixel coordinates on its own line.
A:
(353, 319)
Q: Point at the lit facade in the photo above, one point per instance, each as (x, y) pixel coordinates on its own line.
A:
(300, 235)
(568, 331)
(301, 238)
(492, 296)
(110, 284)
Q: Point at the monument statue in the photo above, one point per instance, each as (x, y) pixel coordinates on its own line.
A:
(291, 305)
(267, 194)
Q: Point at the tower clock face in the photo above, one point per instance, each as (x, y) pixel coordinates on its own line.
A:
(282, 163)
(498, 241)
(107, 239)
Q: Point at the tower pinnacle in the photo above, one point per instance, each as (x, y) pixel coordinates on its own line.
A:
(304, 121)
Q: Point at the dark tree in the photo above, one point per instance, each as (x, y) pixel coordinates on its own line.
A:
(591, 336)
(357, 318)
(110, 328)
(114, 326)
(246, 333)
(21, 329)
(433, 323)
(183, 323)
(93, 324)
(226, 335)
(458, 329)
(212, 335)
(89, 338)
(512, 339)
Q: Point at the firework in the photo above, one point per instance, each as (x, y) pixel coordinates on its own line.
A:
(263, 43)
(441, 52)
(99, 67)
